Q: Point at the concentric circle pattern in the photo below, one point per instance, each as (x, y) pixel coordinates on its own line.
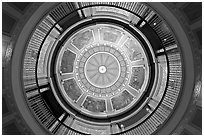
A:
(102, 74)
(102, 68)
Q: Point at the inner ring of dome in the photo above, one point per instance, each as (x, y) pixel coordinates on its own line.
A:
(102, 69)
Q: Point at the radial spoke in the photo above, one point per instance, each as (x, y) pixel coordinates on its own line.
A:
(113, 68)
(93, 64)
(92, 76)
(101, 59)
(73, 48)
(81, 99)
(110, 63)
(109, 106)
(66, 76)
(122, 40)
(133, 91)
(113, 74)
(91, 69)
(138, 63)
(106, 60)
(96, 35)
(103, 79)
(108, 78)
(98, 78)
(96, 61)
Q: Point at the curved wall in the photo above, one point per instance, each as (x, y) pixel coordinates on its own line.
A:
(24, 18)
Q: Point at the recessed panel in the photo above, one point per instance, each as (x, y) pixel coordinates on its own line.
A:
(137, 78)
(94, 105)
(110, 34)
(82, 39)
(122, 100)
(67, 61)
(72, 89)
(133, 49)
